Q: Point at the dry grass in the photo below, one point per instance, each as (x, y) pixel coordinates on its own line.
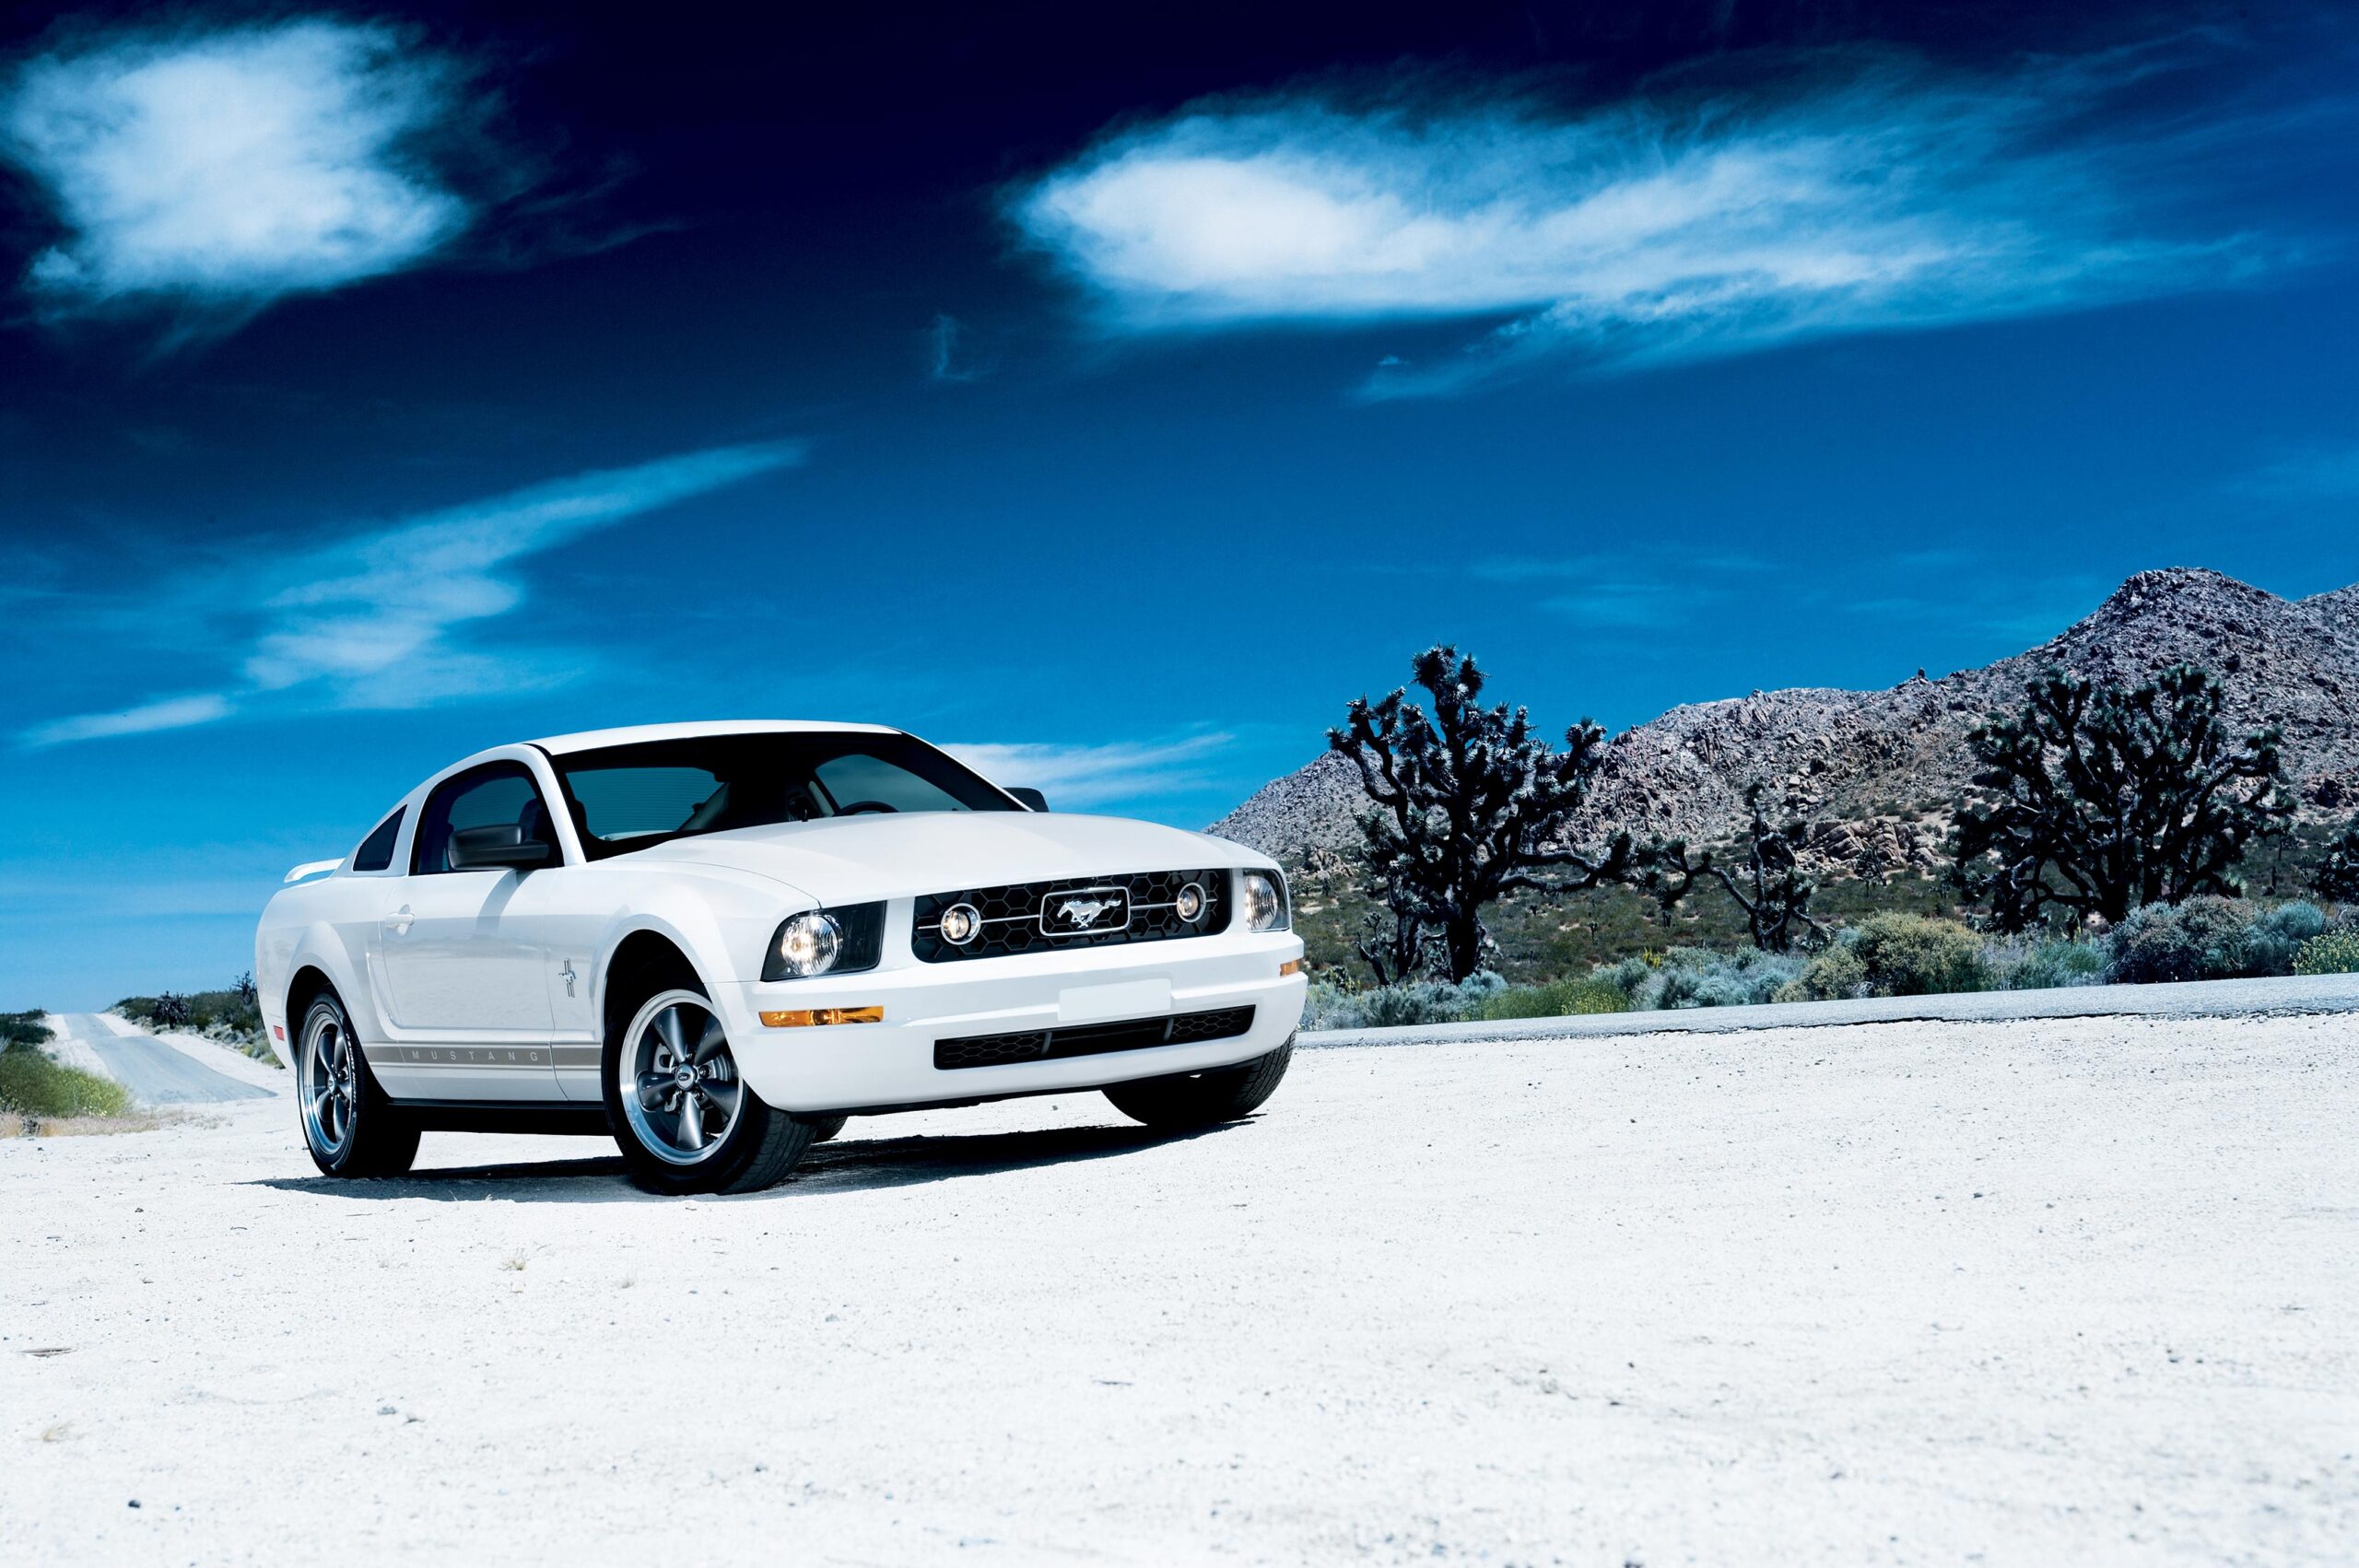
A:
(15, 1124)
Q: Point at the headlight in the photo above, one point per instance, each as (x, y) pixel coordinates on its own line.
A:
(807, 944)
(1265, 901)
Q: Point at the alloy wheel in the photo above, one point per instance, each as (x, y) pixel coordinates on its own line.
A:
(679, 1084)
(330, 1083)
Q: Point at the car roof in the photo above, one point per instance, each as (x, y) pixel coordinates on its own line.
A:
(591, 740)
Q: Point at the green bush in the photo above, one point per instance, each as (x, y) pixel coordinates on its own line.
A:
(1912, 955)
(1835, 975)
(2025, 965)
(2277, 933)
(2336, 952)
(32, 1084)
(22, 1029)
(2208, 938)
(1557, 998)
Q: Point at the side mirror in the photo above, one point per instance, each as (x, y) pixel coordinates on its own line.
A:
(502, 846)
(1032, 798)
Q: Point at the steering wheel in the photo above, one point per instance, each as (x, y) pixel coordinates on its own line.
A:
(858, 806)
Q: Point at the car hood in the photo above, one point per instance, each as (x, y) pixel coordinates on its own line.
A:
(855, 859)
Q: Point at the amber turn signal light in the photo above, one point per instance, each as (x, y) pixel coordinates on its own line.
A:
(804, 1017)
(1291, 966)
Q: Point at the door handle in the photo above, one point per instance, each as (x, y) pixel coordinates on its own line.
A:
(398, 922)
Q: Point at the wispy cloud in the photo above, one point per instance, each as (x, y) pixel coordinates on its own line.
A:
(378, 619)
(2327, 474)
(943, 360)
(215, 171)
(171, 713)
(1681, 223)
(1083, 776)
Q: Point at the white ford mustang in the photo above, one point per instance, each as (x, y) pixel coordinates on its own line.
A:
(717, 941)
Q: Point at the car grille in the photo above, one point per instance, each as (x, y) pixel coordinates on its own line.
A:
(1012, 914)
(1092, 1039)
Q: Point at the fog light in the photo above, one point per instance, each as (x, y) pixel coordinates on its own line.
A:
(1190, 904)
(1291, 966)
(959, 924)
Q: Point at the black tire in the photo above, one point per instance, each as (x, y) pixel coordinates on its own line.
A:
(760, 1147)
(1203, 1099)
(378, 1140)
(826, 1127)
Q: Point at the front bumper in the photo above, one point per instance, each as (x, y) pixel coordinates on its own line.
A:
(872, 1066)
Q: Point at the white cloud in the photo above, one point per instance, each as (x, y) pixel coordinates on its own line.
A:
(376, 619)
(1654, 228)
(169, 713)
(1083, 776)
(227, 168)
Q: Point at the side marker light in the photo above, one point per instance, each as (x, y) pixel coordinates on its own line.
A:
(806, 1017)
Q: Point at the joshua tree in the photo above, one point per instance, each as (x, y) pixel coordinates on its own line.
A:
(1393, 942)
(2096, 800)
(1772, 888)
(2337, 876)
(172, 1010)
(1465, 806)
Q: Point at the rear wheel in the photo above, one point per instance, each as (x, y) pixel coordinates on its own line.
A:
(1202, 1099)
(685, 1120)
(352, 1128)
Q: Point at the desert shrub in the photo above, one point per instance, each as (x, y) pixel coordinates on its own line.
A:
(2204, 938)
(2021, 964)
(1835, 974)
(22, 1029)
(1701, 977)
(2335, 952)
(1418, 1002)
(1559, 999)
(1914, 955)
(32, 1085)
(2277, 933)
(230, 1015)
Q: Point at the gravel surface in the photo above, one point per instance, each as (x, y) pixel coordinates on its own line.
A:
(2081, 1291)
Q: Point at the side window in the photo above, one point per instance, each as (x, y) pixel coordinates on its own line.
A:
(376, 852)
(495, 794)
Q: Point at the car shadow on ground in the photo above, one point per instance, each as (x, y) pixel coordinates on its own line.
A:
(852, 1165)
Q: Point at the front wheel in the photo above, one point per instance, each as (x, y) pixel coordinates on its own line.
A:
(352, 1128)
(685, 1120)
(1203, 1099)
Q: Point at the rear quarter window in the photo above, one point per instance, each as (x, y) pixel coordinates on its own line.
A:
(376, 852)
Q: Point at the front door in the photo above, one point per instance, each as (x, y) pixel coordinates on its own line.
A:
(461, 955)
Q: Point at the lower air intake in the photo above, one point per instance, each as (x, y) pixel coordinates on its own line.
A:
(1092, 1039)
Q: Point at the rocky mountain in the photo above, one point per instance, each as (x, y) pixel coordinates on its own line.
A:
(1877, 773)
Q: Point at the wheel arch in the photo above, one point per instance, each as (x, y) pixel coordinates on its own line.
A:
(307, 984)
(642, 952)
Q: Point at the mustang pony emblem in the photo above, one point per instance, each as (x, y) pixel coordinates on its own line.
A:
(1084, 912)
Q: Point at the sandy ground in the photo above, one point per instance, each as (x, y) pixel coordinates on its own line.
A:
(2029, 1292)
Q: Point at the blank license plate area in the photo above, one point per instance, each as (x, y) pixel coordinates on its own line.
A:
(1100, 1005)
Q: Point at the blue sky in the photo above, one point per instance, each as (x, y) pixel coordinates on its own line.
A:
(386, 385)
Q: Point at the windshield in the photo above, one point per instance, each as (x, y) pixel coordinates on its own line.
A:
(624, 798)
